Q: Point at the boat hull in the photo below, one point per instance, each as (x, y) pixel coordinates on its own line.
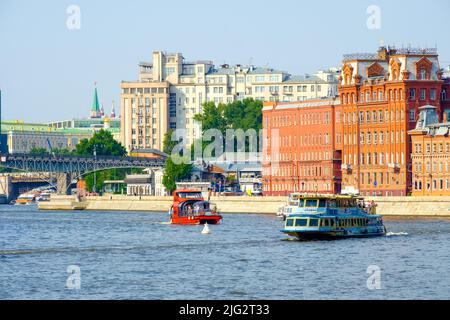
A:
(318, 235)
(197, 220)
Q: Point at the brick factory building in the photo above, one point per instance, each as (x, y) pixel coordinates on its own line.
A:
(430, 154)
(302, 146)
(381, 95)
(358, 143)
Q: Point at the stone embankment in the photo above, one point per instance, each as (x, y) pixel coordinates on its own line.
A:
(388, 206)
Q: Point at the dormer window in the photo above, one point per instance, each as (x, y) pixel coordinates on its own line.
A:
(423, 74)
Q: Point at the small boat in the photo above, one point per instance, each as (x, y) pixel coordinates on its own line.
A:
(25, 199)
(331, 217)
(43, 197)
(190, 208)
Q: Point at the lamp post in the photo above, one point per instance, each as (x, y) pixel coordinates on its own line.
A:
(95, 172)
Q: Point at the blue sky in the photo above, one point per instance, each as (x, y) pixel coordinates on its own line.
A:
(47, 71)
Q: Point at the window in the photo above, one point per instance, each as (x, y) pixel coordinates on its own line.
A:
(313, 222)
(310, 203)
(423, 94)
(301, 222)
(412, 94)
(380, 95)
(432, 94)
(289, 222)
(412, 115)
(422, 74)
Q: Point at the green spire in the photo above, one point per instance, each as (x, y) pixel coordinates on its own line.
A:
(95, 105)
(95, 108)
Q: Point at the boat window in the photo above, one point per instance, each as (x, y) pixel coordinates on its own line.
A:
(332, 204)
(310, 203)
(332, 223)
(322, 203)
(289, 222)
(301, 222)
(301, 203)
(313, 222)
(190, 195)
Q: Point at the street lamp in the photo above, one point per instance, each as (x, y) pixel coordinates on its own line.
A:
(95, 173)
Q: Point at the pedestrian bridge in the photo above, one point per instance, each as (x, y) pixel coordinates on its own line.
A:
(74, 164)
(73, 167)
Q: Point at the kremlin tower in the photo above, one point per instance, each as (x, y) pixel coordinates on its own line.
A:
(113, 112)
(95, 107)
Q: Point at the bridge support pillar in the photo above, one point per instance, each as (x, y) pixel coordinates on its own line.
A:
(63, 183)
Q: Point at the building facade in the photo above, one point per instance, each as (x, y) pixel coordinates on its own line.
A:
(430, 154)
(302, 147)
(22, 137)
(173, 90)
(381, 95)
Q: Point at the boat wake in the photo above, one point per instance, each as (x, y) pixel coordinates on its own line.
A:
(396, 234)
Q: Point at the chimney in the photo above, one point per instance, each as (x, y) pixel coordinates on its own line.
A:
(382, 53)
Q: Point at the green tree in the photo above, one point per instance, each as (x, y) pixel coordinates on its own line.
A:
(243, 114)
(103, 143)
(174, 170)
(213, 117)
(38, 151)
(168, 144)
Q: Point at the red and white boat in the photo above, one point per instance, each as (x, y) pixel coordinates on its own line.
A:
(190, 208)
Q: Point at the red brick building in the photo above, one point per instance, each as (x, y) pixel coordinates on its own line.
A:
(381, 95)
(302, 146)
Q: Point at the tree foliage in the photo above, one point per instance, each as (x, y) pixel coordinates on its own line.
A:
(103, 143)
(168, 144)
(242, 114)
(174, 170)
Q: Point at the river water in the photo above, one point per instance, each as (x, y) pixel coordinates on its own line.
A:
(128, 255)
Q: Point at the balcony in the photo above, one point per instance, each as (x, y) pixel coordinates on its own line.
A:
(394, 166)
(250, 180)
(346, 167)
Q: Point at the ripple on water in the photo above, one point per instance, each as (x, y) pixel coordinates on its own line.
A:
(139, 256)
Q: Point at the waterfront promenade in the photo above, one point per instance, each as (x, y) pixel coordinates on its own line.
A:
(388, 206)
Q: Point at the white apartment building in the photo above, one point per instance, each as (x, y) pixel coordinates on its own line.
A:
(170, 92)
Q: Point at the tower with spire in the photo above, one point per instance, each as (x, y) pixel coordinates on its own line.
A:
(95, 107)
(113, 111)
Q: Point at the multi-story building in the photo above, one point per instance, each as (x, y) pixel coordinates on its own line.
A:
(22, 137)
(302, 147)
(381, 95)
(170, 92)
(430, 154)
